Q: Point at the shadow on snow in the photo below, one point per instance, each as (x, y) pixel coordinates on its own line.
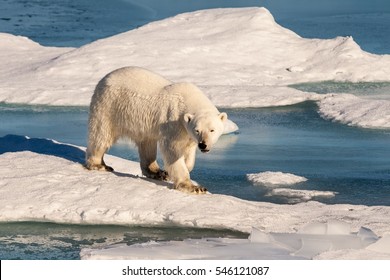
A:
(17, 143)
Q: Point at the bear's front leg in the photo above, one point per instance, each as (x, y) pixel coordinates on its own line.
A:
(188, 187)
(189, 156)
(180, 176)
(176, 166)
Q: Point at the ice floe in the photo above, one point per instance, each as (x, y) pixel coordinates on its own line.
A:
(276, 182)
(353, 110)
(296, 196)
(270, 178)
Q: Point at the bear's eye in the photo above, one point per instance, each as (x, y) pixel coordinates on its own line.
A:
(197, 131)
(212, 130)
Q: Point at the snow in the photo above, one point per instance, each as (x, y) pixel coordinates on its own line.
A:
(245, 60)
(43, 180)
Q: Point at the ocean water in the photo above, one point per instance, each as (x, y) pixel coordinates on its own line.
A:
(352, 162)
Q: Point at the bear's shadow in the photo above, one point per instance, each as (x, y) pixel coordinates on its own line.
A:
(18, 143)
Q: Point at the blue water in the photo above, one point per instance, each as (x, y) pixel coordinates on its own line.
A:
(351, 161)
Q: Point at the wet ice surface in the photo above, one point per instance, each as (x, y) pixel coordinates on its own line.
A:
(368, 90)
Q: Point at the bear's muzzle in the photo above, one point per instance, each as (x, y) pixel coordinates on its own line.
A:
(203, 147)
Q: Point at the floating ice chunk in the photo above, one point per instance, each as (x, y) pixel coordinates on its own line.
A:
(275, 180)
(230, 127)
(271, 179)
(352, 110)
(296, 196)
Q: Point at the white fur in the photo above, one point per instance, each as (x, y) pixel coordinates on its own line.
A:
(143, 106)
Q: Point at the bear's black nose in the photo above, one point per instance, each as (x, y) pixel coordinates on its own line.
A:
(202, 146)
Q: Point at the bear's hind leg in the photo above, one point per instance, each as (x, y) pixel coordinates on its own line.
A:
(100, 139)
(147, 150)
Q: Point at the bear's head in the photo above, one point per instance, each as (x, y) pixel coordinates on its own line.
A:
(205, 129)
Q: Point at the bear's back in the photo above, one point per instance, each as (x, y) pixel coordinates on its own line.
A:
(133, 80)
(194, 99)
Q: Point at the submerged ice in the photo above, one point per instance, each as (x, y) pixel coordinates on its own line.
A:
(311, 242)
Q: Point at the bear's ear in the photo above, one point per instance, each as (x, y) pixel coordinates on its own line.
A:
(188, 117)
(223, 116)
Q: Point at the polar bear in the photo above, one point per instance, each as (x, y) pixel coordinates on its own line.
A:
(135, 103)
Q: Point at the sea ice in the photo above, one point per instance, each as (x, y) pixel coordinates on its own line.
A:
(276, 180)
(273, 179)
(230, 127)
(354, 110)
(296, 196)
